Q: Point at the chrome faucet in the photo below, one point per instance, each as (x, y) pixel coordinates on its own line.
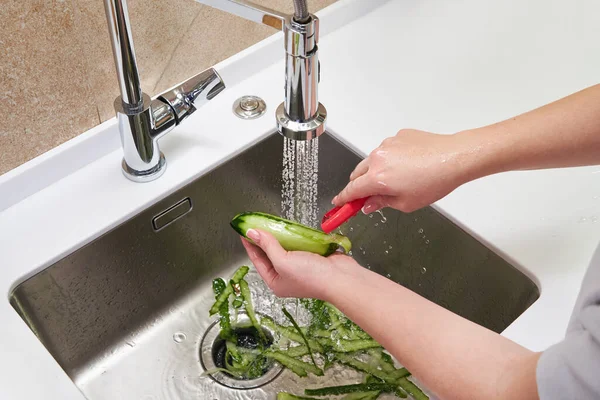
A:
(142, 121)
(300, 116)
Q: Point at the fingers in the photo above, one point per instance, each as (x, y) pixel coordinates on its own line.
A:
(363, 186)
(268, 244)
(360, 169)
(261, 262)
(375, 203)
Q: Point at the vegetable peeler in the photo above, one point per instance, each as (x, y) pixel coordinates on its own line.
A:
(338, 215)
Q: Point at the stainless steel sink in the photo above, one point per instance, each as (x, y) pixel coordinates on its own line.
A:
(125, 315)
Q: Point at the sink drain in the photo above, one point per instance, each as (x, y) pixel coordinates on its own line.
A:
(213, 354)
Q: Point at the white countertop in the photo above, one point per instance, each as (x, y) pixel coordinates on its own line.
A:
(431, 64)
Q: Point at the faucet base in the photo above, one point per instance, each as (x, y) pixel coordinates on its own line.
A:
(305, 130)
(145, 176)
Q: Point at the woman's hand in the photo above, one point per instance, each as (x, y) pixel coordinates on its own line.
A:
(409, 171)
(296, 273)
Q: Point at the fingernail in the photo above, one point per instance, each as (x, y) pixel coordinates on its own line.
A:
(368, 209)
(334, 200)
(254, 235)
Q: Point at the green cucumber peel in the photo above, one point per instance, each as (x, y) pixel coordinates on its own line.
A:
(350, 346)
(387, 377)
(345, 389)
(296, 352)
(240, 274)
(412, 389)
(293, 321)
(245, 293)
(293, 363)
(289, 396)
(296, 366)
(362, 396)
(290, 333)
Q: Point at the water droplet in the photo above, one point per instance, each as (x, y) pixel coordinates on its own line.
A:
(594, 219)
(351, 229)
(389, 275)
(179, 337)
(427, 241)
(130, 344)
(421, 230)
(368, 266)
(596, 197)
(370, 215)
(390, 247)
(387, 252)
(376, 224)
(582, 220)
(350, 253)
(423, 270)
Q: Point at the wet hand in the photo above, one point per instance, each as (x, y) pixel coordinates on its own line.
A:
(408, 171)
(297, 273)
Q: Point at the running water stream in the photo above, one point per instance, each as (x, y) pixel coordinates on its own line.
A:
(300, 178)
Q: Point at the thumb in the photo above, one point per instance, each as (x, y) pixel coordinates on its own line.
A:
(375, 203)
(267, 243)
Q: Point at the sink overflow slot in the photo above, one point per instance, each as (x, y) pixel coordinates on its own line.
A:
(172, 214)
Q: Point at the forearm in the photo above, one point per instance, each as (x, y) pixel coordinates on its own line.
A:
(452, 356)
(565, 133)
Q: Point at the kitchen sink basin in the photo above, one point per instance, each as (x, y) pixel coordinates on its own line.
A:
(126, 314)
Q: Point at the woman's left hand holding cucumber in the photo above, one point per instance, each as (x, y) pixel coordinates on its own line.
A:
(296, 273)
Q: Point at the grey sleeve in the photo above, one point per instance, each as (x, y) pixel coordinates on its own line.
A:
(571, 368)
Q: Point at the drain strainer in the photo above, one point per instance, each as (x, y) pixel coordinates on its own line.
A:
(212, 355)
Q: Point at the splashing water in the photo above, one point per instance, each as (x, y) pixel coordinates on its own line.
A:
(179, 337)
(300, 178)
(383, 217)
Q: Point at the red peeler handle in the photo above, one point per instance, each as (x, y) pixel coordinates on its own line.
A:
(338, 215)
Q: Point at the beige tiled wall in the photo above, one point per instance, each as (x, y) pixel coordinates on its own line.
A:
(57, 75)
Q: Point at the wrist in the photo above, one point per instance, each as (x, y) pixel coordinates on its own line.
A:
(478, 154)
(337, 281)
(332, 286)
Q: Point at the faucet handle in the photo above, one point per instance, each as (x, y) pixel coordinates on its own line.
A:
(250, 11)
(193, 93)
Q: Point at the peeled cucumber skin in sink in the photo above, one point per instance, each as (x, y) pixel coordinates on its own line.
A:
(291, 235)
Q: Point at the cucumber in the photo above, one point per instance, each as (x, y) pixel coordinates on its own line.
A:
(291, 235)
